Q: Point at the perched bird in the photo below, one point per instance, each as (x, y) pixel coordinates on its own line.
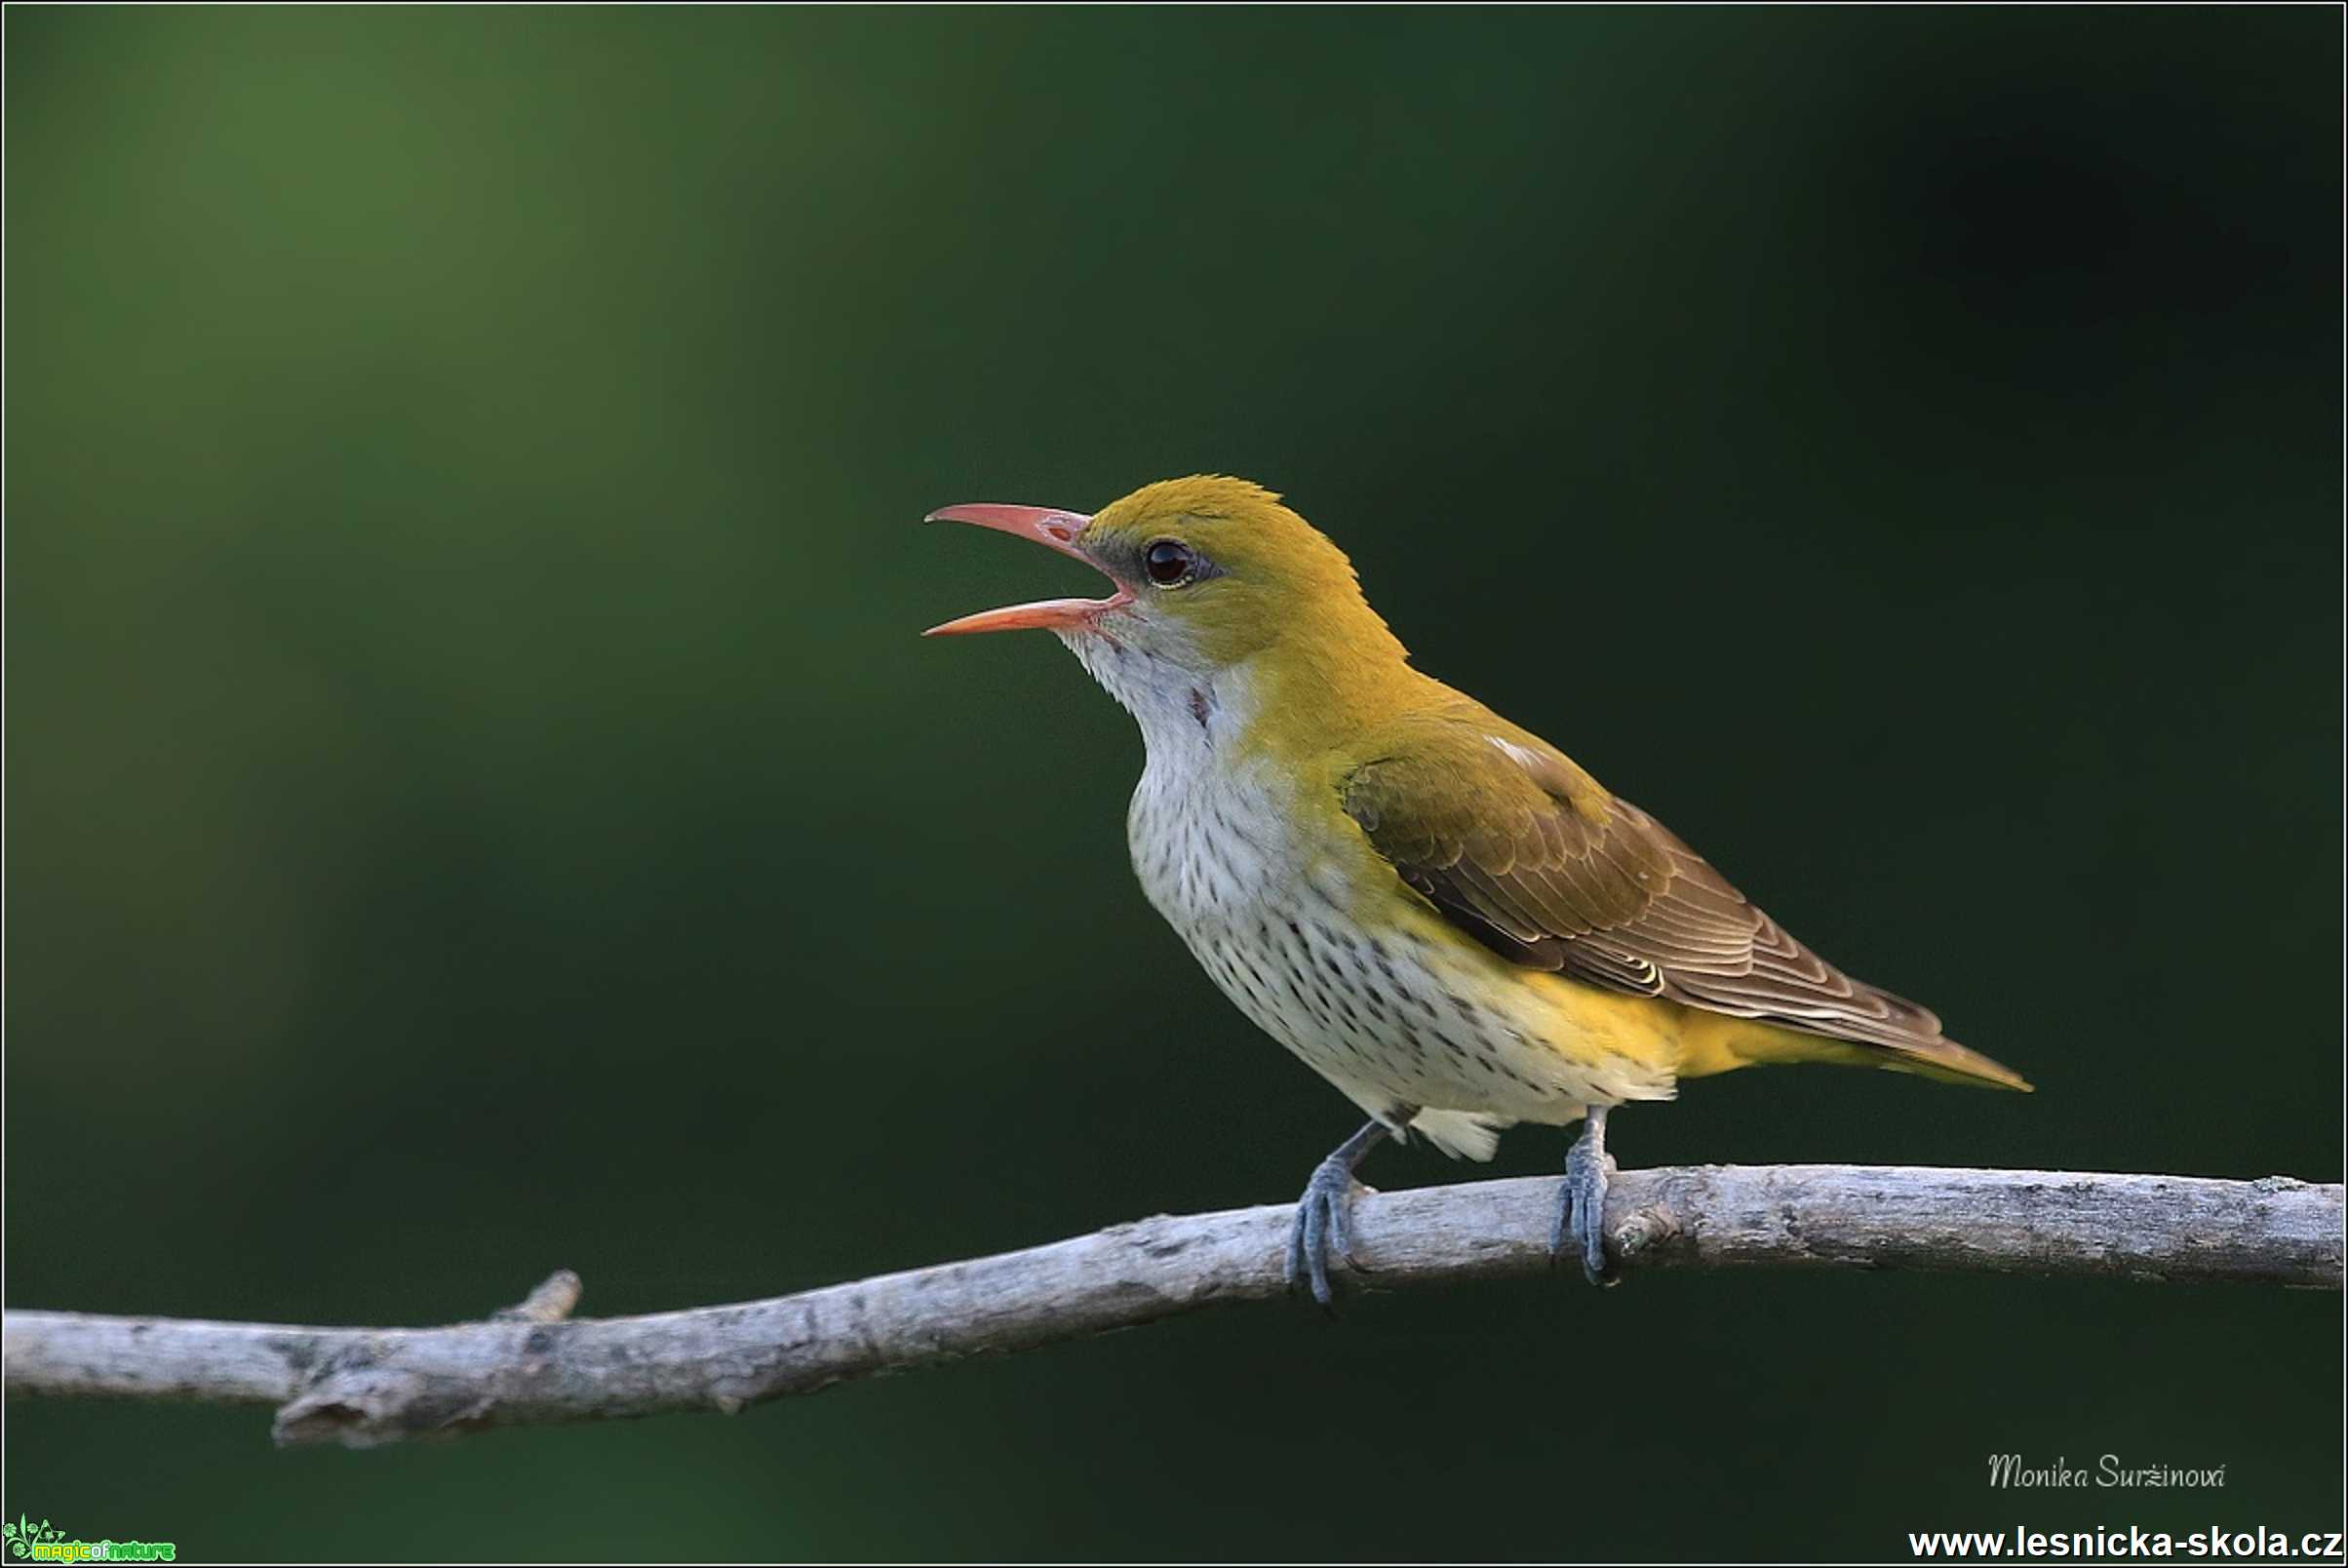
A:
(1439, 910)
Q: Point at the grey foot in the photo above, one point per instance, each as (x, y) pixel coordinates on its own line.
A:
(1581, 1207)
(1324, 1216)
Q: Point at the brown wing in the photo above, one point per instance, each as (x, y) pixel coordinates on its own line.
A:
(1526, 852)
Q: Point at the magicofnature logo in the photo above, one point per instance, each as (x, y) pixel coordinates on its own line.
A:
(46, 1543)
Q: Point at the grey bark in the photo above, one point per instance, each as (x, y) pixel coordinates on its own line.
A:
(361, 1387)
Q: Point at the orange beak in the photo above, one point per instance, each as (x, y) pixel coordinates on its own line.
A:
(1054, 531)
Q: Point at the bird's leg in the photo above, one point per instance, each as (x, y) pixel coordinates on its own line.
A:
(1582, 1209)
(1325, 1215)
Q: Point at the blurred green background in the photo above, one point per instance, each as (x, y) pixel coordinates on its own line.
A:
(476, 803)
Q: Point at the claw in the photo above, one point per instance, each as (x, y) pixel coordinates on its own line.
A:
(1323, 1222)
(1582, 1206)
(1324, 1218)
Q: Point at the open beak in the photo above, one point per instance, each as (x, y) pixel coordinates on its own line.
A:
(1054, 531)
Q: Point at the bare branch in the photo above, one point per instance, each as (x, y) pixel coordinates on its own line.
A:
(361, 1387)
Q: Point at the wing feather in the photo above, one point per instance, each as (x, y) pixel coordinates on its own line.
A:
(1523, 850)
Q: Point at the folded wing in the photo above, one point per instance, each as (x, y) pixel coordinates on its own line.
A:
(1521, 849)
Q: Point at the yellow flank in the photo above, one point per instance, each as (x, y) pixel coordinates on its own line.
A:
(1588, 1026)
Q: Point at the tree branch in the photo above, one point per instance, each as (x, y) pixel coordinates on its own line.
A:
(361, 1387)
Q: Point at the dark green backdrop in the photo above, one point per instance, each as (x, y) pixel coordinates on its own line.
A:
(476, 803)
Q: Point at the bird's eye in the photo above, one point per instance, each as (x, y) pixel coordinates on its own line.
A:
(1170, 564)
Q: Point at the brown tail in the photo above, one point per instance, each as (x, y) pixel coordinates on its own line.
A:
(1948, 1062)
(1716, 1042)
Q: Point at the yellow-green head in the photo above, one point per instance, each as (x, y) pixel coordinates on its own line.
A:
(1211, 572)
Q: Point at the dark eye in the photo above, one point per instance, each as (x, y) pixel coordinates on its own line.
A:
(1169, 564)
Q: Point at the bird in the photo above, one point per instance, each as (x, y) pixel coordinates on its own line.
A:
(1433, 908)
